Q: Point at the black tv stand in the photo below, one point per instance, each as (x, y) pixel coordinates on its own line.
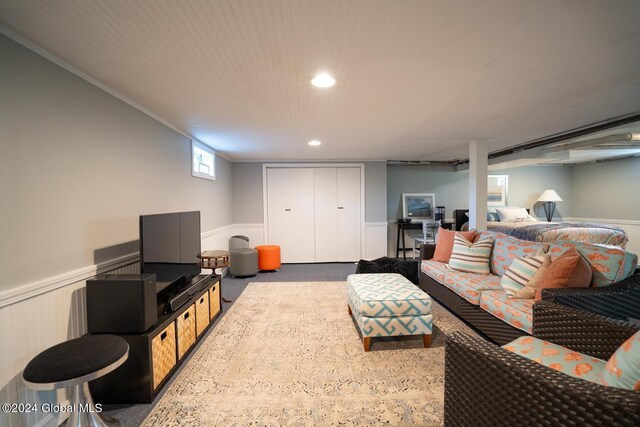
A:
(156, 354)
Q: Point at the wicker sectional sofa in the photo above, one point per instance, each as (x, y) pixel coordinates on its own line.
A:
(481, 301)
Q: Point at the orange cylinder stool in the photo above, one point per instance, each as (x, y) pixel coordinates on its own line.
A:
(268, 257)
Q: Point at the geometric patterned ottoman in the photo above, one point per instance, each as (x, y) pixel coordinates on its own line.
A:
(387, 305)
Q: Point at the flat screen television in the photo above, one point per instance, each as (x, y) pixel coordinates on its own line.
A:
(169, 248)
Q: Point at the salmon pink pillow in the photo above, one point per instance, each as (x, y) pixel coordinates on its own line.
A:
(444, 244)
(569, 270)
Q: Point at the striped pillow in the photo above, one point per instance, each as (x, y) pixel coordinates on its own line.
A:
(471, 257)
(520, 272)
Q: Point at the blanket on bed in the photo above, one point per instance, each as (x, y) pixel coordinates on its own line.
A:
(585, 232)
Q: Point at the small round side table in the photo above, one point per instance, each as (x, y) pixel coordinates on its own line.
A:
(73, 364)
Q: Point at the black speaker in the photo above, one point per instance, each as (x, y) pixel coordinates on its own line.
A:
(119, 303)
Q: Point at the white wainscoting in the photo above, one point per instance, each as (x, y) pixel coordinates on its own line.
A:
(375, 240)
(631, 227)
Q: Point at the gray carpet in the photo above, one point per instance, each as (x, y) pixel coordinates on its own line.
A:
(134, 415)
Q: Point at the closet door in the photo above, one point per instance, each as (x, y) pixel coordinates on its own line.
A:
(349, 214)
(326, 212)
(290, 213)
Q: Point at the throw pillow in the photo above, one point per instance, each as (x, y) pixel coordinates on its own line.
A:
(493, 216)
(444, 243)
(623, 368)
(471, 257)
(569, 270)
(529, 291)
(520, 272)
(512, 214)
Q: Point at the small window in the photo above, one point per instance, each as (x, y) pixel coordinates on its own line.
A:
(203, 160)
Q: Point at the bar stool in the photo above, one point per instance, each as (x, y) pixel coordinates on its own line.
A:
(73, 364)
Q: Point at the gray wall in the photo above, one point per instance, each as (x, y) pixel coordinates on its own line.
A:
(247, 186)
(606, 190)
(527, 183)
(78, 166)
(451, 188)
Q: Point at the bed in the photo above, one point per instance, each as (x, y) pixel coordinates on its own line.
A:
(542, 231)
(594, 233)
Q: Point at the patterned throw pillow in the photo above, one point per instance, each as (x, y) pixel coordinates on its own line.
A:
(471, 257)
(530, 289)
(520, 272)
(623, 368)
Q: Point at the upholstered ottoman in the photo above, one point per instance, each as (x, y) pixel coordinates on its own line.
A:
(387, 305)
(243, 262)
(268, 257)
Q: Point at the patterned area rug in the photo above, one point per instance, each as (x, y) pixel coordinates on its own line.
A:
(290, 354)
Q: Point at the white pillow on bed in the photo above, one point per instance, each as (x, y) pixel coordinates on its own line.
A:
(514, 215)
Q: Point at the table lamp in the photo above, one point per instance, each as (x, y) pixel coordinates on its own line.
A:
(549, 197)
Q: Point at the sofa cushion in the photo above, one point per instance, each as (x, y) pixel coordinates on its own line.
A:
(386, 295)
(569, 270)
(520, 272)
(471, 257)
(444, 244)
(507, 248)
(623, 368)
(561, 359)
(609, 265)
(434, 269)
(516, 312)
(469, 285)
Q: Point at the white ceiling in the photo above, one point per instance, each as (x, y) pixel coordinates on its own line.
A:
(416, 80)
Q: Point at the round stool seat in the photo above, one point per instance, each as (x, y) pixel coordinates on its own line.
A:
(73, 364)
(243, 262)
(268, 257)
(76, 361)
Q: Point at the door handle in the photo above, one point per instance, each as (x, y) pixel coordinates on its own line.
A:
(340, 207)
(287, 210)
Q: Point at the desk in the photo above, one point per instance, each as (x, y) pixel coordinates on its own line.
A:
(402, 226)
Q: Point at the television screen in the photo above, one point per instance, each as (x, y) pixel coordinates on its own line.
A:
(169, 247)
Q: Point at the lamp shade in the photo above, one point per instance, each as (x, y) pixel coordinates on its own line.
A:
(549, 196)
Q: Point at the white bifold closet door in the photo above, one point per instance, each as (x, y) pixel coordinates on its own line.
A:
(326, 207)
(338, 214)
(315, 213)
(290, 203)
(349, 214)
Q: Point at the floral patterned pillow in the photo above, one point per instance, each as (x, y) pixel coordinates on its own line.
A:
(623, 368)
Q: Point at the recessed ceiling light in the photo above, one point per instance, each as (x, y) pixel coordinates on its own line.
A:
(323, 80)
(315, 143)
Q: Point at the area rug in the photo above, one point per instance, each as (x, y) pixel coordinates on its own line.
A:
(289, 354)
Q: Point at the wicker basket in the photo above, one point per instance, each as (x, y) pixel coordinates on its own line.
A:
(186, 325)
(214, 300)
(202, 313)
(163, 350)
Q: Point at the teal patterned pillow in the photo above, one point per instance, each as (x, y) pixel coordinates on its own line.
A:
(623, 368)
(471, 257)
(520, 272)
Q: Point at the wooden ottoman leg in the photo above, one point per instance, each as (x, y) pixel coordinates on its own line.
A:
(427, 340)
(366, 341)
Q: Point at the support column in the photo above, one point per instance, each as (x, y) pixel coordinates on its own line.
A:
(478, 170)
